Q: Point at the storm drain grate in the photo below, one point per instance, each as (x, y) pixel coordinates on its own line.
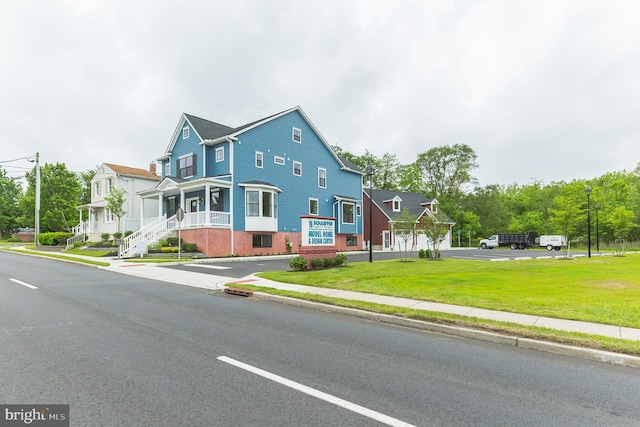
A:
(239, 292)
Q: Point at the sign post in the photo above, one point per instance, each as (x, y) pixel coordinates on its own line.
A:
(179, 217)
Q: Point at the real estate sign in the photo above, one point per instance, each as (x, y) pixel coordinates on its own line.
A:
(318, 231)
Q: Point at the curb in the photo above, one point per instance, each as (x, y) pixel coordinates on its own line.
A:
(526, 343)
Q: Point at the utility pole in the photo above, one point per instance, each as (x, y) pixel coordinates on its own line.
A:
(37, 219)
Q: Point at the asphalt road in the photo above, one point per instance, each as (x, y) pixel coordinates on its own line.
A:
(127, 351)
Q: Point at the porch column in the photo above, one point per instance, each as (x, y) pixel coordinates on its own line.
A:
(207, 204)
(159, 205)
(141, 224)
(182, 199)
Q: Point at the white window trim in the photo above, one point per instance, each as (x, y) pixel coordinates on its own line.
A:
(97, 189)
(317, 206)
(108, 216)
(325, 177)
(294, 168)
(220, 157)
(185, 132)
(259, 154)
(354, 212)
(178, 165)
(278, 160)
(167, 169)
(293, 135)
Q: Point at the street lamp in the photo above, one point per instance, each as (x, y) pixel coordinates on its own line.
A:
(370, 170)
(587, 191)
(597, 208)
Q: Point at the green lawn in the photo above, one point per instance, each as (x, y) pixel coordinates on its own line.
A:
(600, 289)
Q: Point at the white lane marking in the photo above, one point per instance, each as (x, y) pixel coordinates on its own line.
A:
(23, 284)
(317, 393)
(215, 267)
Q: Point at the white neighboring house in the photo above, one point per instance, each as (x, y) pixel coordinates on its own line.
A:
(101, 220)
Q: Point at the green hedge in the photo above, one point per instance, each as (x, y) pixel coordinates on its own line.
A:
(57, 238)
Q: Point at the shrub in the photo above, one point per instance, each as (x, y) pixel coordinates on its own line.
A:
(162, 243)
(422, 253)
(329, 262)
(54, 238)
(78, 244)
(117, 235)
(165, 250)
(298, 264)
(189, 247)
(317, 263)
(128, 233)
(14, 239)
(341, 259)
(173, 241)
(105, 236)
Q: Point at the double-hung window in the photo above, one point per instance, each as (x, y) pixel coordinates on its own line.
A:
(219, 154)
(313, 206)
(253, 203)
(322, 178)
(187, 166)
(259, 159)
(296, 135)
(347, 213)
(297, 168)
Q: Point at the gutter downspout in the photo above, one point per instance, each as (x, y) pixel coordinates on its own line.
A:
(231, 140)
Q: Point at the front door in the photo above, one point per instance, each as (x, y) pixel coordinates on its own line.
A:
(386, 240)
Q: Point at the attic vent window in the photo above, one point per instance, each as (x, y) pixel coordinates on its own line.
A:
(297, 135)
(185, 132)
(396, 205)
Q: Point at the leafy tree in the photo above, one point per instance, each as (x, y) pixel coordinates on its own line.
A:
(569, 209)
(489, 205)
(59, 194)
(446, 172)
(404, 230)
(621, 220)
(387, 175)
(436, 232)
(9, 194)
(115, 203)
(85, 182)
(410, 179)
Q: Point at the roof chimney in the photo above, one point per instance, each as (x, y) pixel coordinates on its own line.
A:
(152, 168)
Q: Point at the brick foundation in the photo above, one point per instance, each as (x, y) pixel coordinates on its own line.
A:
(312, 252)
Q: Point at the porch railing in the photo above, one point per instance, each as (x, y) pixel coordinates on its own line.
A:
(160, 227)
(148, 234)
(79, 233)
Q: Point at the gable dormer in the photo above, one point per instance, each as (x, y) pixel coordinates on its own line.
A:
(394, 204)
(432, 206)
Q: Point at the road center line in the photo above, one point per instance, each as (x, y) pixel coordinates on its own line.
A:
(23, 284)
(316, 393)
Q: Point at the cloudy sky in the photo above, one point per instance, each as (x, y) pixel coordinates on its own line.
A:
(544, 90)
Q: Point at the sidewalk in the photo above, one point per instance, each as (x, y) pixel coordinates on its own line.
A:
(218, 282)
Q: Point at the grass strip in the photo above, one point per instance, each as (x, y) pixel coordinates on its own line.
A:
(62, 257)
(602, 290)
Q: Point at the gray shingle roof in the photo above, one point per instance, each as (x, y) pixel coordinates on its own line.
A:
(414, 202)
(207, 129)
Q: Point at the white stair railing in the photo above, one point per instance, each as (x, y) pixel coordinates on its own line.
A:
(148, 234)
(79, 233)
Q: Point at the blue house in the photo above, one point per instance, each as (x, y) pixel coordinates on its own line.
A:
(243, 190)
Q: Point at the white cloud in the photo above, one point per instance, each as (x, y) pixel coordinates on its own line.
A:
(544, 90)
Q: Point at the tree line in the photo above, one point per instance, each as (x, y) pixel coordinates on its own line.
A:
(444, 173)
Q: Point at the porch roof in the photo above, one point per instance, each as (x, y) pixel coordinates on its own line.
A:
(172, 185)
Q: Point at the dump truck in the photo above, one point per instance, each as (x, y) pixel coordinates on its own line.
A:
(512, 240)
